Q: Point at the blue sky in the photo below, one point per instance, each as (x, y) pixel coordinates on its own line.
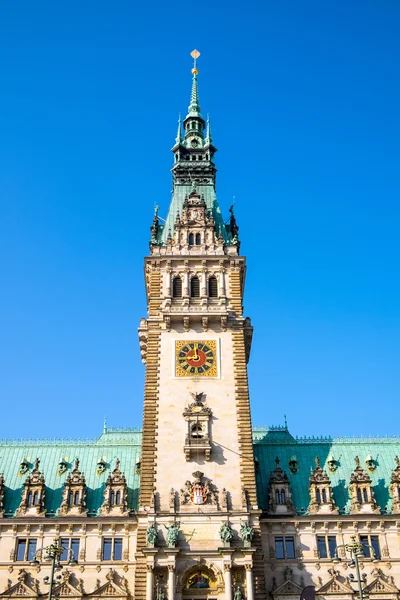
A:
(304, 102)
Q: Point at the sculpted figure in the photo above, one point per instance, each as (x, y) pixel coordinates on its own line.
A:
(172, 534)
(246, 531)
(225, 532)
(151, 535)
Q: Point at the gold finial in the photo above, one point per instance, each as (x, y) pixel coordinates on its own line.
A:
(195, 55)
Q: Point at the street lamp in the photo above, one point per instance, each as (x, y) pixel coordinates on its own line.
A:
(356, 551)
(54, 552)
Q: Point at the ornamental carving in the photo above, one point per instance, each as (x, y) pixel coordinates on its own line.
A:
(74, 494)
(2, 494)
(394, 487)
(321, 494)
(280, 495)
(361, 492)
(199, 491)
(115, 494)
(33, 494)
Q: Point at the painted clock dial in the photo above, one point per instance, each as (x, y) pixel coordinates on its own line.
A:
(196, 358)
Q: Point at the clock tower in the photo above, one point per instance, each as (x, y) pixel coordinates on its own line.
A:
(198, 518)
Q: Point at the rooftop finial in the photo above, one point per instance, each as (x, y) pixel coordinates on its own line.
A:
(194, 107)
(179, 134)
(105, 425)
(195, 55)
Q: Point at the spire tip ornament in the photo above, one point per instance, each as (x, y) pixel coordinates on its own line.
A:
(195, 55)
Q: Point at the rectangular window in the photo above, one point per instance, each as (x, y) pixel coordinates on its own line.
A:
(118, 549)
(332, 545)
(279, 548)
(71, 549)
(321, 545)
(21, 549)
(326, 545)
(284, 547)
(112, 549)
(31, 549)
(289, 545)
(107, 548)
(368, 541)
(65, 545)
(75, 548)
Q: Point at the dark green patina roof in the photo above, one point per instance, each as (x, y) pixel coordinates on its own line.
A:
(124, 444)
(270, 443)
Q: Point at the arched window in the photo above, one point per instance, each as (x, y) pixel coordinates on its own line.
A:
(277, 497)
(177, 287)
(198, 239)
(195, 287)
(35, 499)
(30, 499)
(318, 494)
(191, 239)
(283, 497)
(118, 498)
(197, 431)
(76, 499)
(324, 495)
(365, 494)
(70, 498)
(398, 492)
(213, 287)
(112, 497)
(359, 497)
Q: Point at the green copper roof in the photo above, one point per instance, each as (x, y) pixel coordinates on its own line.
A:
(113, 444)
(125, 444)
(277, 442)
(178, 197)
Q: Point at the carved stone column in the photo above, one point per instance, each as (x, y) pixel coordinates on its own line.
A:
(228, 581)
(171, 582)
(149, 582)
(204, 283)
(168, 291)
(222, 291)
(249, 582)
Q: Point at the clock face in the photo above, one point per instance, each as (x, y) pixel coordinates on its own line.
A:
(196, 359)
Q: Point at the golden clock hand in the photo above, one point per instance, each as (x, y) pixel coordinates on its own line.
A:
(195, 356)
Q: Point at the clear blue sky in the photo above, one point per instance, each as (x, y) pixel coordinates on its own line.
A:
(304, 100)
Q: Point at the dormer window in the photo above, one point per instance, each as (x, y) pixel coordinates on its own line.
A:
(198, 239)
(280, 501)
(362, 495)
(115, 493)
(321, 494)
(74, 494)
(191, 239)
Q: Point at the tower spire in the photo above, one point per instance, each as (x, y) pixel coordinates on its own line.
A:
(194, 106)
(179, 133)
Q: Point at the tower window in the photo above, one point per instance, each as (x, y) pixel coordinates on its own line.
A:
(198, 239)
(191, 239)
(177, 287)
(213, 287)
(195, 287)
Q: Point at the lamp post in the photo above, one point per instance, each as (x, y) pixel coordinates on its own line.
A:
(54, 552)
(356, 551)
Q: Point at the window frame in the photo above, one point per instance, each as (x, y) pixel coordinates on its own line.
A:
(112, 542)
(372, 540)
(30, 548)
(67, 543)
(330, 546)
(287, 541)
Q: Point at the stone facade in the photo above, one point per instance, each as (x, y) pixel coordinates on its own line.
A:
(198, 504)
